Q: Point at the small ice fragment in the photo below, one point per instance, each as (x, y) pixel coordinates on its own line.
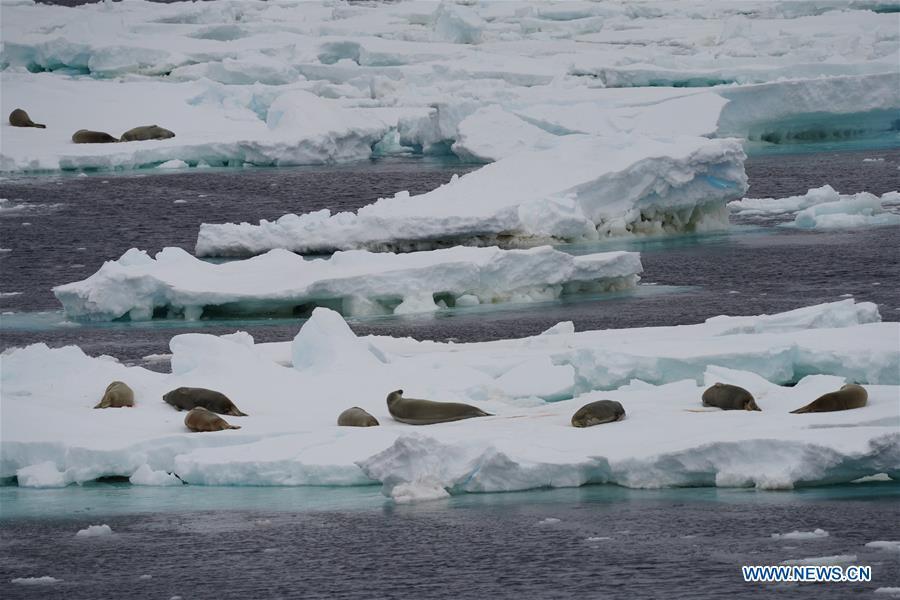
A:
(179, 201)
(837, 559)
(801, 535)
(598, 539)
(892, 546)
(548, 521)
(95, 531)
(35, 580)
(146, 577)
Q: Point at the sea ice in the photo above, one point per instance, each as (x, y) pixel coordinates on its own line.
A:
(837, 559)
(46, 579)
(355, 283)
(94, 531)
(801, 535)
(891, 546)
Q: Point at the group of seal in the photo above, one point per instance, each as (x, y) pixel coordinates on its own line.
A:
(20, 118)
(732, 397)
(202, 405)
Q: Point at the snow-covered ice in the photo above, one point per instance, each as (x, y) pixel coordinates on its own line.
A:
(824, 208)
(293, 392)
(354, 283)
(321, 82)
(94, 531)
(583, 188)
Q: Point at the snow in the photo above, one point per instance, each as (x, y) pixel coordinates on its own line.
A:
(45, 580)
(801, 535)
(355, 282)
(321, 82)
(583, 188)
(823, 208)
(294, 390)
(94, 531)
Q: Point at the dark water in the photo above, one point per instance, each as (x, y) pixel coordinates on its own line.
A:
(690, 543)
(66, 226)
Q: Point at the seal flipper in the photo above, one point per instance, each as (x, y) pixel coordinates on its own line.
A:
(805, 409)
(235, 412)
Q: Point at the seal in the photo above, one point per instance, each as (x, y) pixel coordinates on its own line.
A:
(598, 413)
(187, 398)
(356, 417)
(20, 118)
(84, 136)
(117, 395)
(729, 397)
(426, 412)
(147, 132)
(848, 397)
(200, 419)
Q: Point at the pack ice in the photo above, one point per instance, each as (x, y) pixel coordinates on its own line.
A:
(355, 283)
(293, 392)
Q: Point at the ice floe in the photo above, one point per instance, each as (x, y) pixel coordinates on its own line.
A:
(94, 531)
(319, 82)
(293, 392)
(355, 283)
(583, 188)
(823, 208)
(801, 535)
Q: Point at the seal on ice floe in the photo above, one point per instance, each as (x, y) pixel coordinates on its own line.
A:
(20, 118)
(848, 397)
(427, 412)
(356, 417)
(201, 419)
(597, 413)
(146, 132)
(186, 398)
(85, 136)
(117, 395)
(729, 397)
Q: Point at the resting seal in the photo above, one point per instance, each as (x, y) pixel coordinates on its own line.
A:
(597, 413)
(356, 417)
(729, 397)
(117, 395)
(200, 419)
(20, 118)
(146, 132)
(426, 412)
(187, 398)
(84, 136)
(849, 396)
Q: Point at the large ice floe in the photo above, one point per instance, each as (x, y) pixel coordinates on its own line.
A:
(285, 83)
(581, 188)
(355, 283)
(823, 208)
(293, 392)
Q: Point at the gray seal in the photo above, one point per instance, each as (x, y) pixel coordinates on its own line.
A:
(848, 397)
(427, 412)
(356, 417)
(20, 118)
(200, 419)
(187, 398)
(729, 397)
(85, 136)
(597, 413)
(147, 132)
(117, 395)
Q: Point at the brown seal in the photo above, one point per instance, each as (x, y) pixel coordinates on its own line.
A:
(147, 132)
(186, 398)
(20, 118)
(426, 412)
(117, 395)
(729, 397)
(84, 136)
(356, 417)
(848, 397)
(200, 419)
(597, 413)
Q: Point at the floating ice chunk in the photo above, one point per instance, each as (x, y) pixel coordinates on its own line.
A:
(816, 534)
(42, 475)
(860, 210)
(94, 531)
(894, 591)
(549, 521)
(418, 491)
(45, 580)
(836, 314)
(837, 559)
(584, 188)
(891, 546)
(176, 284)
